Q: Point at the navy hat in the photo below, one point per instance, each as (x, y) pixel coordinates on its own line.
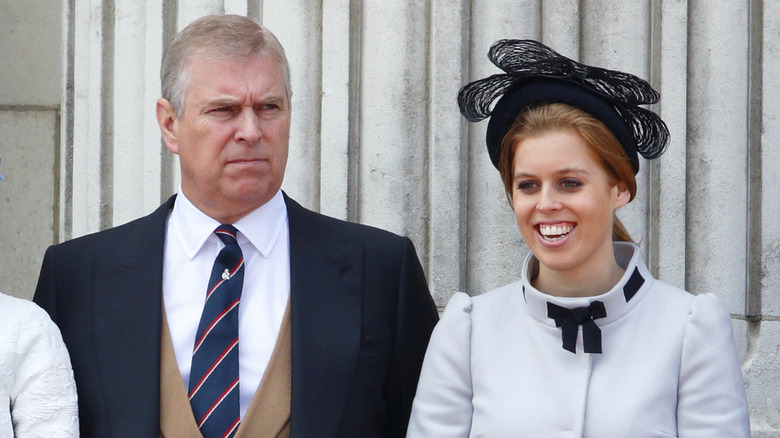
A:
(536, 75)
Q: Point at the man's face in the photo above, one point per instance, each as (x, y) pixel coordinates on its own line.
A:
(232, 137)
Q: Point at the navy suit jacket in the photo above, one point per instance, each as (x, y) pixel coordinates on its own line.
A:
(361, 316)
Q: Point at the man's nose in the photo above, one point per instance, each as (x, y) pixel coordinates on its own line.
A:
(249, 128)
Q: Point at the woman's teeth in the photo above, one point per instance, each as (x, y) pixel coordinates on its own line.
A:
(554, 232)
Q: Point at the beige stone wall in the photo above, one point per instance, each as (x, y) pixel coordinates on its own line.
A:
(30, 89)
(377, 137)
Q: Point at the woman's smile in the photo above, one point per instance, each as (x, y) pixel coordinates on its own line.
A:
(564, 204)
(554, 233)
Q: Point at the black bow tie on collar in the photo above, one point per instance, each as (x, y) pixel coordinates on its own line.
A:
(569, 321)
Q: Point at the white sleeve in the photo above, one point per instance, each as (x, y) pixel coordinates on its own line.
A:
(43, 397)
(442, 406)
(711, 392)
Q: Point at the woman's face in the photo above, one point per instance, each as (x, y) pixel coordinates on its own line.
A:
(564, 203)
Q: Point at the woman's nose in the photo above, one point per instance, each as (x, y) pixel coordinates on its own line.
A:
(548, 200)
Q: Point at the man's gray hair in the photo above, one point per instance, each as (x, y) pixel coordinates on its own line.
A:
(215, 37)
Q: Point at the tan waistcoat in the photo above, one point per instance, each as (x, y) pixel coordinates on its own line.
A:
(268, 415)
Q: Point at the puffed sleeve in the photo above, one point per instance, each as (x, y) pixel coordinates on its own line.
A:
(442, 406)
(711, 392)
(43, 398)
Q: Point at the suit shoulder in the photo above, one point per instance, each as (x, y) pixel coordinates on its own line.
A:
(98, 236)
(362, 229)
(301, 217)
(151, 224)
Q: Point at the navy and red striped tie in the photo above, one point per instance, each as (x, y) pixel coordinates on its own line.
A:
(213, 389)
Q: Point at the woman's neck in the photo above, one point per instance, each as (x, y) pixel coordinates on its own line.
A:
(582, 283)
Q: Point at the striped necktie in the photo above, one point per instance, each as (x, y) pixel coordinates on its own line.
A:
(213, 388)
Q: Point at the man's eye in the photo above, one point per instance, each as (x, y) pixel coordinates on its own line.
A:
(221, 109)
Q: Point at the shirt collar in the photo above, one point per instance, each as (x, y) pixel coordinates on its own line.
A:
(260, 228)
(617, 302)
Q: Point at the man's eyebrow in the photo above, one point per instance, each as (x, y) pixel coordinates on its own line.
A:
(231, 101)
(221, 101)
(272, 99)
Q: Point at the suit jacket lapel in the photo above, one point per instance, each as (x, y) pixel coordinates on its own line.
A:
(325, 300)
(127, 314)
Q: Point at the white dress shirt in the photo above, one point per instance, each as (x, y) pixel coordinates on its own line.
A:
(190, 250)
(495, 366)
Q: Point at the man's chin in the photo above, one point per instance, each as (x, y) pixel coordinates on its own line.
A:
(251, 196)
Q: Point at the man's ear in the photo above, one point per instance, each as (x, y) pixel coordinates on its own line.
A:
(166, 118)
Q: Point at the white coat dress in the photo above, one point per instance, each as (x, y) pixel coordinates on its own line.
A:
(37, 391)
(495, 365)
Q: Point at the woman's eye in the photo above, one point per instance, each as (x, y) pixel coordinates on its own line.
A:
(569, 184)
(526, 186)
